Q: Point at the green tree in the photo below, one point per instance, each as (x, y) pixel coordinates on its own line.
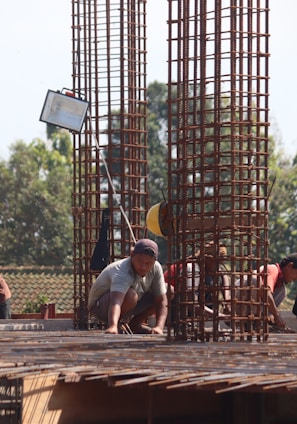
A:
(157, 141)
(157, 152)
(282, 205)
(35, 203)
(36, 186)
(283, 177)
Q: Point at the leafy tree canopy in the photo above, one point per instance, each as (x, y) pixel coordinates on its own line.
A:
(35, 203)
(282, 216)
(36, 186)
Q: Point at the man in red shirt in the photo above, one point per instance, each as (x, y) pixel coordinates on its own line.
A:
(279, 275)
(213, 259)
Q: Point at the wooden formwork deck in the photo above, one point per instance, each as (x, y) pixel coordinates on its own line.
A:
(137, 360)
(63, 377)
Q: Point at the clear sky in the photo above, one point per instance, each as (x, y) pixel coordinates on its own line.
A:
(35, 45)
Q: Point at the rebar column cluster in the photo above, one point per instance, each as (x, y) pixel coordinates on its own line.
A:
(218, 166)
(110, 164)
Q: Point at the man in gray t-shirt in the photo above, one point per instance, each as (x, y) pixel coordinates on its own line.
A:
(132, 287)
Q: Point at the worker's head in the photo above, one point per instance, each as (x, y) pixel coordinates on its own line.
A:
(213, 250)
(144, 255)
(288, 266)
(213, 254)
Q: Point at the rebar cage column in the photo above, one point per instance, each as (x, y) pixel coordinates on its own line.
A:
(218, 164)
(109, 70)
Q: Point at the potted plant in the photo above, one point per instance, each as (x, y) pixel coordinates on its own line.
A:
(39, 306)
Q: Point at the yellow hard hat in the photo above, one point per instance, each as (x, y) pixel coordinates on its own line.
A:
(158, 221)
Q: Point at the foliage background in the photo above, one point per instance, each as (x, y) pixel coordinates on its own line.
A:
(36, 189)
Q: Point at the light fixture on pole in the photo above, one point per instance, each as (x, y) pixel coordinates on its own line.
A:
(67, 111)
(64, 110)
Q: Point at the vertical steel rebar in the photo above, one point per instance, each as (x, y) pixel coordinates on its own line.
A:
(218, 169)
(218, 153)
(109, 70)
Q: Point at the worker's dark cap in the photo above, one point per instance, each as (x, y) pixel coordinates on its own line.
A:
(292, 257)
(146, 247)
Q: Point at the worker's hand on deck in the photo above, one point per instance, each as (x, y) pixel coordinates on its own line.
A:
(279, 321)
(157, 330)
(112, 329)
